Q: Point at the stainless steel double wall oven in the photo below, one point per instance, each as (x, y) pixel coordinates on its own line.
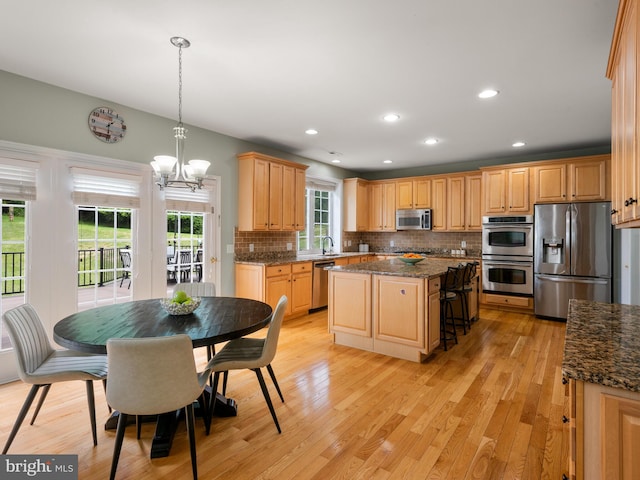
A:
(507, 254)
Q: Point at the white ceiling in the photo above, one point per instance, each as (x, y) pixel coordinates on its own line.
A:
(265, 71)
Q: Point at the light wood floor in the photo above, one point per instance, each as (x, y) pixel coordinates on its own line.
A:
(489, 408)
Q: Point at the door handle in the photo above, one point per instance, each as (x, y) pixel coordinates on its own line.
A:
(213, 260)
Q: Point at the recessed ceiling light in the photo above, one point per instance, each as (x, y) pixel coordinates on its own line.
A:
(488, 93)
(431, 141)
(388, 161)
(311, 131)
(335, 160)
(518, 144)
(391, 117)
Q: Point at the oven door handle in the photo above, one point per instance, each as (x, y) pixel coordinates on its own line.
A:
(489, 263)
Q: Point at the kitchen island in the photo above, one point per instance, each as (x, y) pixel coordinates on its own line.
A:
(602, 365)
(390, 307)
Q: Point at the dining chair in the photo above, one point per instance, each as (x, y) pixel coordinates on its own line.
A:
(197, 289)
(253, 354)
(40, 365)
(151, 376)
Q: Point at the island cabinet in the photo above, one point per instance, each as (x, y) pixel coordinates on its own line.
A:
(267, 283)
(356, 205)
(622, 69)
(413, 193)
(604, 432)
(572, 180)
(506, 190)
(270, 193)
(393, 315)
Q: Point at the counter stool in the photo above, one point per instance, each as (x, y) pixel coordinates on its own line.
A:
(463, 289)
(447, 297)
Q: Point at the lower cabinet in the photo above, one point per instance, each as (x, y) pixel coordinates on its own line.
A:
(395, 316)
(268, 283)
(604, 432)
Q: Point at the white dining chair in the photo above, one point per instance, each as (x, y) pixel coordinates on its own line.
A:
(151, 376)
(40, 365)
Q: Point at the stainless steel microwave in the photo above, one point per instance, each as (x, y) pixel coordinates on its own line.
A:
(412, 219)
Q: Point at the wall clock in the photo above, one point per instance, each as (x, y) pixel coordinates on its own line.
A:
(107, 125)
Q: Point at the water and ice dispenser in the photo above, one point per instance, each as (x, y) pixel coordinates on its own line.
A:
(553, 250)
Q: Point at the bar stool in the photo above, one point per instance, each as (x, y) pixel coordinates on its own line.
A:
(448, 295)
(463, 289)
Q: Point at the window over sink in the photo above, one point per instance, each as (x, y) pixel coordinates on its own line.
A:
(321, 217)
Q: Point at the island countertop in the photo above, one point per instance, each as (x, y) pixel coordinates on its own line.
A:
(602, 344)
(427, 268)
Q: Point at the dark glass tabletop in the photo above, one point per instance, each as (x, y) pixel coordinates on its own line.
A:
(216, 320)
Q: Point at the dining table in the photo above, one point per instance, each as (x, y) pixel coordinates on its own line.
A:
(215, 320)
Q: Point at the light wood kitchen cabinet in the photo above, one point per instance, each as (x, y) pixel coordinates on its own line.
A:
(350, 306)
(456, 204)
(382, 213)
(397, 298)
(356, 205)
(572, 180)
(439, 203)
(506, 190)
(270, 193)
(413, 193)
(473, 202)
(622, 69)
(433, 319)
(269, 283)
(604, 432)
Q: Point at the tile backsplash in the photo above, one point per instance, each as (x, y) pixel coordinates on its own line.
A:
(266, 242)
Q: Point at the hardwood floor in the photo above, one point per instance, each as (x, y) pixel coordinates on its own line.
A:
(489, 408)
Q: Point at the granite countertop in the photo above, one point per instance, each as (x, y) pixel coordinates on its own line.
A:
(602, 344)
(427, 268)
(278, 258)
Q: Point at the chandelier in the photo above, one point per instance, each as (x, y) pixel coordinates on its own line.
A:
(172, 171)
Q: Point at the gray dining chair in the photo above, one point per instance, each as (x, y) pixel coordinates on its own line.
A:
(151, 376)
(253, 354)
(197, 289)
(40, 365)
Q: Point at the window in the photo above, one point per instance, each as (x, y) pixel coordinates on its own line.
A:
(106, 205)
(319, 216)
(104, 256)
(17, 188)
(13, 258)
(184, 247)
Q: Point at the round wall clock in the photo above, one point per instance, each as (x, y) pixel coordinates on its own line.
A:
(107, 125)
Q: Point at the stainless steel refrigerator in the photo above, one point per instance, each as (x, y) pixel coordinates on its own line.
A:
(572, 255)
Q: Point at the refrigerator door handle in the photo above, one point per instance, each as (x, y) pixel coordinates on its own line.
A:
(562, 279)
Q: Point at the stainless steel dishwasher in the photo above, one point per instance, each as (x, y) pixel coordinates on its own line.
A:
(320, 284)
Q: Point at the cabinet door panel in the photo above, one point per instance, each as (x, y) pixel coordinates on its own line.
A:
(301, 289)
(550, 183)
(494, 191)
(301, 185)
(350, 308)
(275, 196)
(620, 438)
(405, 194)
(455, 203)
(588, 180)
(398, 311)
(261, 195)
(275, 288)
(439, 204)
(288, 195)
(473, 201)
(422, 193)
(518, 190)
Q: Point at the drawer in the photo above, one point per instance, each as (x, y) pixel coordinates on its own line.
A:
(301, 267)
(275, 270)
(524, 302)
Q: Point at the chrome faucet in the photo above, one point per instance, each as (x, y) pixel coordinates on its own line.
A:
(323, 239)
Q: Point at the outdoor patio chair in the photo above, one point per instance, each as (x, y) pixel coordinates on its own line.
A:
(125, 258)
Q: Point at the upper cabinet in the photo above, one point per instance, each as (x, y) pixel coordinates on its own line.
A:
(506, 190)
(270, 193)
(625, 125)
(382, 201)
(413, 193)
(356, 205)
(572, 180)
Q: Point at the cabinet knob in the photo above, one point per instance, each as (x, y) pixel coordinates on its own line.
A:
(565, 419)
(564, 381)
(564, 477)
(614, 211)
